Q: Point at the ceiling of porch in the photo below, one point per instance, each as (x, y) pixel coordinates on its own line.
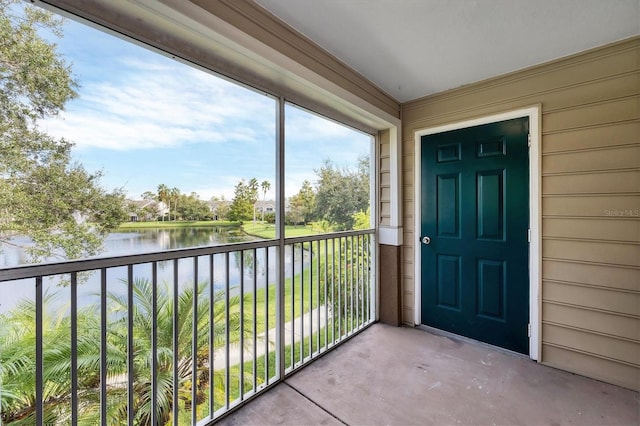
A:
(413, 48)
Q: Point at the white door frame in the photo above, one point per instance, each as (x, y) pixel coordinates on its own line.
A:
(535, 217)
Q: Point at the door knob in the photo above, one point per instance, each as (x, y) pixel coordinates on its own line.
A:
(425, 240)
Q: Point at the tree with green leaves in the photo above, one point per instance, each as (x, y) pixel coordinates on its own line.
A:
(44, 194)
(191, 207)
(302, 205)
(341, 193)
(245, 196)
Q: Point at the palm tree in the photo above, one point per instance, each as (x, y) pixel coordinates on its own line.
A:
(17, 356)
(265, 186)
(163, 196)
(17, 363)
(142, 289)
(174, 194)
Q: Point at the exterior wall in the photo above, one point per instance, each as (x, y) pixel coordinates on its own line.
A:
(590, 314)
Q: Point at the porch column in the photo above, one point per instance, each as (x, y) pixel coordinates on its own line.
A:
(390, 232)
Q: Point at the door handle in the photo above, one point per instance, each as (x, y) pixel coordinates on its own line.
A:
(425, 240)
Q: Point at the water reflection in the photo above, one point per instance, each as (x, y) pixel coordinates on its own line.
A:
(225, 266)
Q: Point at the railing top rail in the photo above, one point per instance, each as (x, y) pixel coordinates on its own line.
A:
(80, 265)
(318, 237)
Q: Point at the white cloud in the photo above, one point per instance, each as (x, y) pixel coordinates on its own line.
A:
(151, 105)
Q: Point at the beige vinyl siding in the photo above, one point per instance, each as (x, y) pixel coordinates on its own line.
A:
(590, 166)
(384, 168)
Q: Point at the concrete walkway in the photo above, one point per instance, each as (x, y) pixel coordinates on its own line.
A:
(292, 332)
(406, 376)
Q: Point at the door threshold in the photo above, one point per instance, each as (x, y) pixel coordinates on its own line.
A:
(450, 335)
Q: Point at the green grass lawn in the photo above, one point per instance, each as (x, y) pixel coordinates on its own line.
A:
(268, 230)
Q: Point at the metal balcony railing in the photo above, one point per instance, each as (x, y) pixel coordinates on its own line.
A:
(181, 336)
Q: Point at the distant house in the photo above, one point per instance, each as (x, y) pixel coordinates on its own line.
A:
(146, 210)
(267, 206)
(217, 207)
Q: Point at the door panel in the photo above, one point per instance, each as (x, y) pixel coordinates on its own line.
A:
(475, 209)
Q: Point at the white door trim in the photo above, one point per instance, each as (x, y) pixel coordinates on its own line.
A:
(535, 216)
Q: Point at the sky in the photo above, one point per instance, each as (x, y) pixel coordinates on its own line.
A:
(145, 119)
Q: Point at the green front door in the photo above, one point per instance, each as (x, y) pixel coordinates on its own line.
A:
(474, 236)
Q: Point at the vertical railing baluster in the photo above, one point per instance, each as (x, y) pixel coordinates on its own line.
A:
(293, 303)
(358, 283)
(310, 299)
(211, 338)
(351, 284)
(255, 322)
(326, 293)
(301, 302)
(339, 288)
(227, 376)
(334, 314)
(194, 346)
(371, 300)
(130, 367)
(365, 280)
(176, 349)
(241, 378)
(266, 316)
(154, 343)
(318, 296)
(103, 346)
(74, 348)
(39, 353)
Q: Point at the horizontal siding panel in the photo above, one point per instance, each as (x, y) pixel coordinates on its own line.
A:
(385, 209)
(602, 369)
(407, 269)
(407, 315)
(600, 252)
(384, 164)
(603, 229)
(408, 254)
(385, 178)
(589, 115)
(592, 182)
(599, 275)
(385, 194)
(596, 298)
(409, 209)
(599, 322)
(619, 86)
(593, 137)
(589, 206)
(537, 82)
(601, 159)
(408, 178)
(605, 346)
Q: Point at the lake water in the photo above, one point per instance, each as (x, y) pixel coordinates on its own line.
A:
(145, 241)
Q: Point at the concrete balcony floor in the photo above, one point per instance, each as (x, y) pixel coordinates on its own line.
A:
(404, 376)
